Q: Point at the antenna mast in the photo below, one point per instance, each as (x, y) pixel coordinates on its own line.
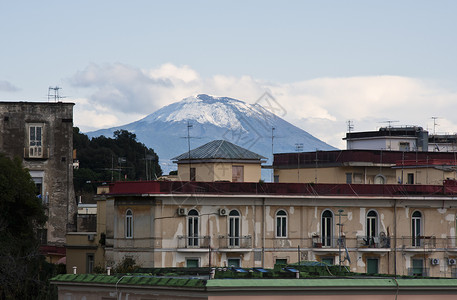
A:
(53, 92)
(189, 126)
(298, 148)
(272, 153)
(434, 124)
(350, 125)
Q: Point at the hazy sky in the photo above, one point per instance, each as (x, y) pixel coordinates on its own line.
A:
(325, 62)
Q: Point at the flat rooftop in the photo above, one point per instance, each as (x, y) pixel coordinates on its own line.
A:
(142, 188)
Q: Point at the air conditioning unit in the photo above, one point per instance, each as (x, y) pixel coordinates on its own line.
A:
(90, 237)
(182, 211)
(451, 261)
(434, 261)
(222, 212)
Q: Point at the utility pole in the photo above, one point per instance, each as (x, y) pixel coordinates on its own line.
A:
(298, 148)
(189, 126)
(315, 168)
(340, 229)
(272, 154)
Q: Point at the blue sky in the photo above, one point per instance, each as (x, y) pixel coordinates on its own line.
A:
(326, 62)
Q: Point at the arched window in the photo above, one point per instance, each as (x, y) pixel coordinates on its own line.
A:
(379, 179)
(129, 224)
(234, 228)
(372, 228)
(327, 228)
(372, 224)
(281, 224)
(192, 228)
(416, 228)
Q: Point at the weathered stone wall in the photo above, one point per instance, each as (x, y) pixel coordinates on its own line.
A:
(55, 163)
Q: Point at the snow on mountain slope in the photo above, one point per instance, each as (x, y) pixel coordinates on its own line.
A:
(214, 118)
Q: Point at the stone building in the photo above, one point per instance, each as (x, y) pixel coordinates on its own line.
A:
(41, 134)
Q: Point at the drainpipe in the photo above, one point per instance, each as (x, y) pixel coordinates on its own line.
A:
(395, 237)
(263, 233)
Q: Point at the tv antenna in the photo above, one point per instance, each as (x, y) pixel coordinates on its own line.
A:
(272, 153)
(298, 148)
(434, 124)
(53, 92)
(389, 122)
(188, 137)
(350, 125)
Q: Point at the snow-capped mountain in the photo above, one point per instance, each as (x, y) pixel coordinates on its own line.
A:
(215, 118)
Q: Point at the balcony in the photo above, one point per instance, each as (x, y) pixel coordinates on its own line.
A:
(235, 244)
(329, 242)
(417, 243)
(36, 152)
(193, 243)
(373, 243)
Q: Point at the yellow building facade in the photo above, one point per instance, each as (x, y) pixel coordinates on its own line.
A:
(219, 161)
(384, 229)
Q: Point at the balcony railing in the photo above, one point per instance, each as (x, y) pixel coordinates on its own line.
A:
(418, 271)
(425, 242)
(373, 242)
(235, 242)
(317, 242)
(185, 241)
(329, 242)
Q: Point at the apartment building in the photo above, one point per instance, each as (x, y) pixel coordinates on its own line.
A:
(41, 134)
(394, 229)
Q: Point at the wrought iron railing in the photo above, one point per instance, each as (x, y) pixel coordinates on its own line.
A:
(185, 241)
(235, 242)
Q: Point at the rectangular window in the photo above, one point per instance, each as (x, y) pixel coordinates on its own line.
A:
(418, 268)
(234, 262)
(193, 174)
(372, 266)
(358, 178)
(42, 236)
(237, 173)
(410, 178)
(129, 224)
(404, 146)
(281, 261)
(327, 260)
(90, 262)
(192, 263)
(276, 178)
(35, 135)
(348, 178)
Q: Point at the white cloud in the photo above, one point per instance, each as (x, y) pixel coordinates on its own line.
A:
(122, 94)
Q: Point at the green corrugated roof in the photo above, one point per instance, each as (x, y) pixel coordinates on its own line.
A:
(219, 149)
(136, 279)
(148, 280)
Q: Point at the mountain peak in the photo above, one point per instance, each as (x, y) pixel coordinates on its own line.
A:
(222, 112)
(216, 118)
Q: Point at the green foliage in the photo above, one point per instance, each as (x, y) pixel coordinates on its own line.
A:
(21, 212)
(127, 265)
(23, 271)
(106, 159)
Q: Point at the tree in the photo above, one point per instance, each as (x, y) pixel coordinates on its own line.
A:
(21, 213)
(107, 159)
